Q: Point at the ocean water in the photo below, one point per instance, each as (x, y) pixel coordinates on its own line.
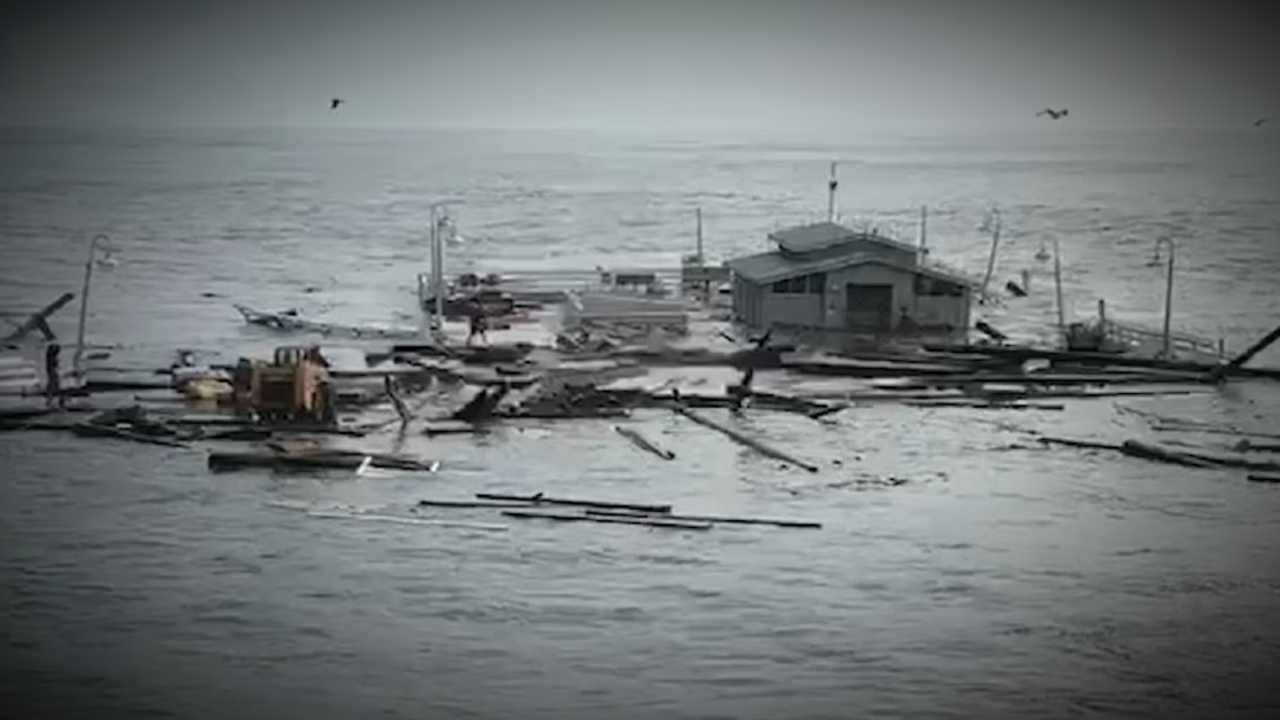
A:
(997, 581)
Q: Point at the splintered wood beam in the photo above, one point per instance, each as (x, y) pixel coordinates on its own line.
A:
(540, 498)
(716, 519)
(36, 321)
(643, 443)
(742, 439)
(575, 517)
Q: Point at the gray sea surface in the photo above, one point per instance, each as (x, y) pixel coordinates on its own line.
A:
(1001, 579)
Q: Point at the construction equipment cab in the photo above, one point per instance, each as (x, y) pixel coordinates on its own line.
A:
(293, 388)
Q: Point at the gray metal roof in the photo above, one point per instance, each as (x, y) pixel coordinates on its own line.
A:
(773, 266)
(804, 239)
(807, 238)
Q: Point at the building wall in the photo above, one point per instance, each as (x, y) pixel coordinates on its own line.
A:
(902, 281)
(793, 309)
(759, 306)
(938, 312)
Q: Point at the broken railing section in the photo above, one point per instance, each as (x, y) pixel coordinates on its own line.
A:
(39, 321)
(661, 515)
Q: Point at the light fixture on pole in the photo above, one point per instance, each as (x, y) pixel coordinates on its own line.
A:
(84, 302)
(437, 262)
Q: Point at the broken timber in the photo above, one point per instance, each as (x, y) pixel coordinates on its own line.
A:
(744, 440)
(1244, 357)
(716, 519)
(641, 442)
(631, 520)
(540, 498)
(38, 320)
(1147, 451)
(474, 504)
(322, 459)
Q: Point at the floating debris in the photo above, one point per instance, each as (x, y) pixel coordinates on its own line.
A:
(583, 517)
(744, 440)
(539, 498)
(641, 442)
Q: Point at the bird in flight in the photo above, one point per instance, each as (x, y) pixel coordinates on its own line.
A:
(1260, 122)
(1054, 114)
(334, 103)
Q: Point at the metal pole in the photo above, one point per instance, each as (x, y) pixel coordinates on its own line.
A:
(437, 272)
(84, 303)
(924, 231)
(831, 195)
(991, 259)
(437, 261)
(1057, 282)
(1168, 298)
(699, 235)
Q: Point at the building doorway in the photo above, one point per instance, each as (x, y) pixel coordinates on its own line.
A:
(868, 308)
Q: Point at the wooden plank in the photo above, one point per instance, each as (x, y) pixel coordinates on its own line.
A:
(92, 430)
(742, 439)
(37, 320)
(398, 519)
(717, 519)
(475, 504)
(573, 517)
(1247, 355)
(641, 442)
(540, 498)
(341, 461)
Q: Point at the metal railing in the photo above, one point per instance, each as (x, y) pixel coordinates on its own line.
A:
(1134, 336)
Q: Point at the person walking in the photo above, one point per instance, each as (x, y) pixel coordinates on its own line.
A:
(479, 324)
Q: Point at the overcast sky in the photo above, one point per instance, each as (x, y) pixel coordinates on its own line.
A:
(646, 63)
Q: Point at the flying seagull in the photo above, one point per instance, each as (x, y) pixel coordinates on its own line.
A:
(334, 103)
(1054, 114)
(1259, 122)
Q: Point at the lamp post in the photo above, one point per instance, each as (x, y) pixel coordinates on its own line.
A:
(437, 262)
(84, 302)
(1168, 292)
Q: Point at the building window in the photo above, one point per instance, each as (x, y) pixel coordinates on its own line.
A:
(805, 284)
(790, 286)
